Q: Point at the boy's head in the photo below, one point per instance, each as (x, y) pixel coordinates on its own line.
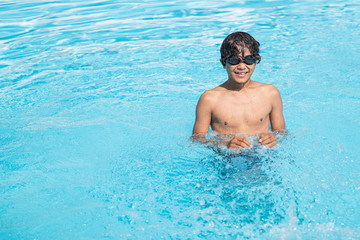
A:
(235, 45)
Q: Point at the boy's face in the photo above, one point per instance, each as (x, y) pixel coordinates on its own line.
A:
(240, 72)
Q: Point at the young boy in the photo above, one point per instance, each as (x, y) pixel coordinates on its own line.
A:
(240, 105)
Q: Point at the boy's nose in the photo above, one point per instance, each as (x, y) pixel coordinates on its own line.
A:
(241, 65)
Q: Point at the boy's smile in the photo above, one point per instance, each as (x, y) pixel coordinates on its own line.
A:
(240, 73)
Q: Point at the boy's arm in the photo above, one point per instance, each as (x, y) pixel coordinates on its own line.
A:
(276, 116)
(276, 119)
(203, 115)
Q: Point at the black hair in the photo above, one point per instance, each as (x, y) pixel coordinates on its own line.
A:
(236, 43)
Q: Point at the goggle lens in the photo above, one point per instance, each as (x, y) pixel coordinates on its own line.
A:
(248, 60)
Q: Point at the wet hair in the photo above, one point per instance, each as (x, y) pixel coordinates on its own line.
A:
(236, 43)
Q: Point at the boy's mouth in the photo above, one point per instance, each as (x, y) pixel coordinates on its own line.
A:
(241, 74)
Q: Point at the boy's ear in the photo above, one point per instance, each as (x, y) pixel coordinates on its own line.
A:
(222, 62)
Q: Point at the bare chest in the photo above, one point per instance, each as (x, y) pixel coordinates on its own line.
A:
(249, 113)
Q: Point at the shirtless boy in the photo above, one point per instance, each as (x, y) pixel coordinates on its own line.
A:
(240, 105)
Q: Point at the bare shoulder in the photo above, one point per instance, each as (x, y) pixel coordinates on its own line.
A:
(210, 96)
(266, 89)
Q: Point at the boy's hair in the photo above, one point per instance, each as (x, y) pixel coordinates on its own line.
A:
(235, 43)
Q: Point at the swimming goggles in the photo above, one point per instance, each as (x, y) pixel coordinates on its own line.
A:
(248, 60)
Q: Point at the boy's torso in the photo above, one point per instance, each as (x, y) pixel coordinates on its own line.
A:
(244, 111)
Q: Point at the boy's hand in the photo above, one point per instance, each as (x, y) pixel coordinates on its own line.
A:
(239, 142)
(267, 139)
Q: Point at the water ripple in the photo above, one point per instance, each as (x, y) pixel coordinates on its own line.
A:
(98, 101)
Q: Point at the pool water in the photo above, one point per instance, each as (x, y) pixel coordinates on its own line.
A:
(97, 107)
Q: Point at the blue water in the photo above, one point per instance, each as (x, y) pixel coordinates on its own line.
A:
(97, 107)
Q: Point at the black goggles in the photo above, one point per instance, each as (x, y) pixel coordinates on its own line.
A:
(248, 60)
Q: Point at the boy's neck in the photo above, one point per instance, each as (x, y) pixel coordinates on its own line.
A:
(234, 86)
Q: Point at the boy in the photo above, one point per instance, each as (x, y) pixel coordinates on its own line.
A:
(240, 105)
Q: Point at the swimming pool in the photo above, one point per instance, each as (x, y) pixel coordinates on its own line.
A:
(97, 107)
